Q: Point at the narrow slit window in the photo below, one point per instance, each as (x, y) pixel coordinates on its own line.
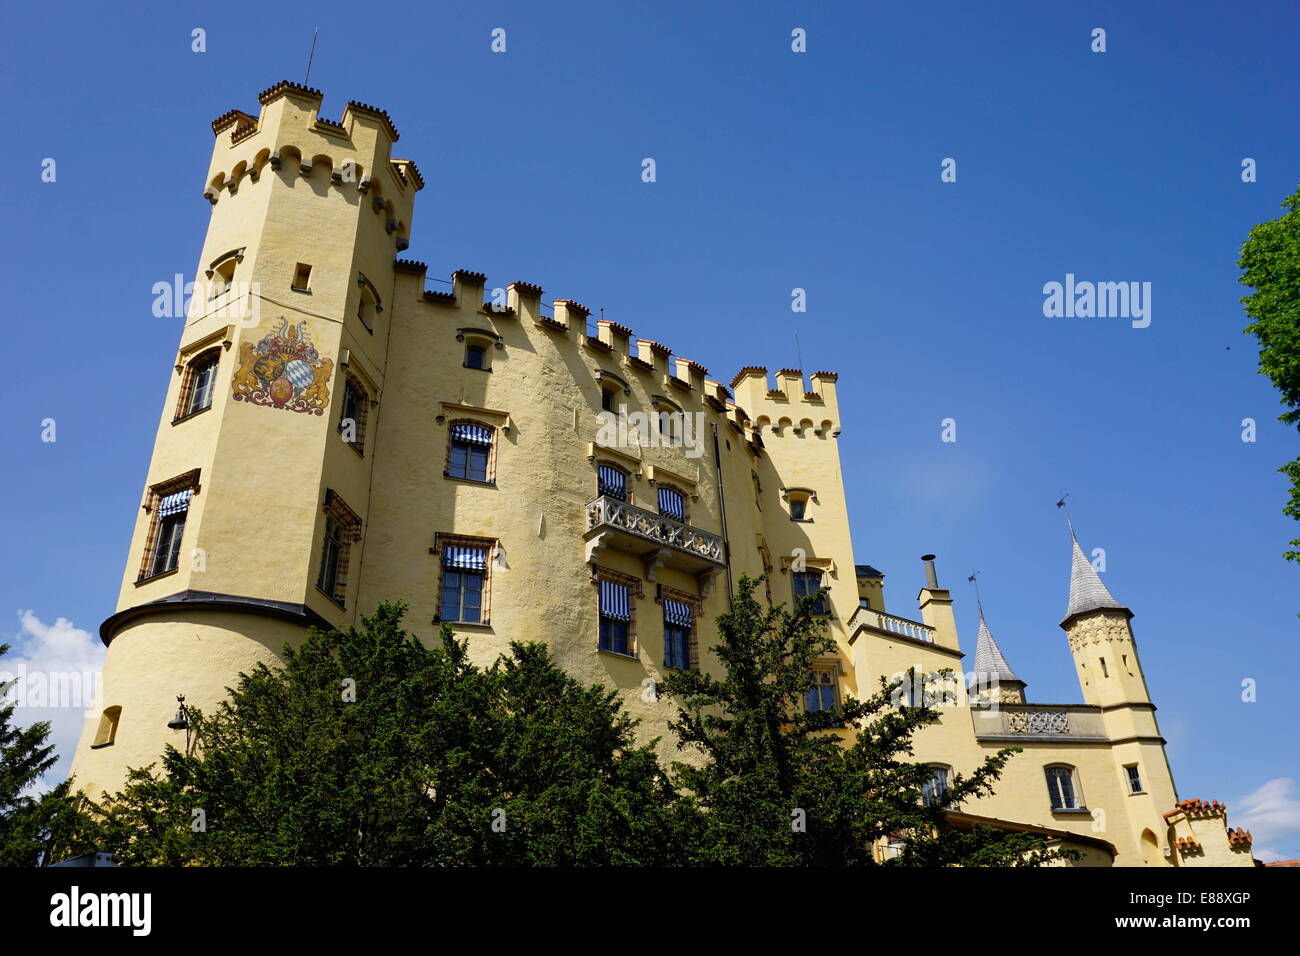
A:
(301, 278)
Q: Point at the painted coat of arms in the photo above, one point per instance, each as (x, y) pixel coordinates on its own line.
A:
(284, 370)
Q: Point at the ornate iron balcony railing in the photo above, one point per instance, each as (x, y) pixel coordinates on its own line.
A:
(653, 527)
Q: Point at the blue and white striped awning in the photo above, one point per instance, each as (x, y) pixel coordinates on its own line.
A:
(675, 612)
(672, 504)
(611, 481)
(466, 559)
(175, 503)
(474, 434)
(614, 601)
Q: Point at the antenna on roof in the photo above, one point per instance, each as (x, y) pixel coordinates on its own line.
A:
(305, 76)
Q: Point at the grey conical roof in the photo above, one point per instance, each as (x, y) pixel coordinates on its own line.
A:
(989, 662)
(1087, 592)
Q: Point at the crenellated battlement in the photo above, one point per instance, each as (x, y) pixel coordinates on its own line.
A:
(789, 407)
(674, 380)
(289, 134)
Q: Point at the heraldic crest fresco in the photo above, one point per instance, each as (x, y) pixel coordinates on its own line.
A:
(284, 370)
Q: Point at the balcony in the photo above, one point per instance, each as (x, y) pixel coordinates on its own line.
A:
(659, 541)
(1045, 722)
(889, 624)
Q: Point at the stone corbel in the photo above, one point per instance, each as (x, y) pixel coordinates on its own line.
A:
(654, 560)
(706, 580)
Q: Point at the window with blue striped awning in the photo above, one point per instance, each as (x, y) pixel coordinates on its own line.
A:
(614, 601)
(175, 503)
(675, 612)
(672, 504)
(467, 559)
(474, 434)
(610, 481)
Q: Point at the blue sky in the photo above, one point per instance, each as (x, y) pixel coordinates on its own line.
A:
(776, 170)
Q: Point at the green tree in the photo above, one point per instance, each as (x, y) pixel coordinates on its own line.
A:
(778, 785)
(368, 748)
(32, 827)
(1270, 260)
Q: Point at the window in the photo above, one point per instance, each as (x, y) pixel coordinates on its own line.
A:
(679, 624)
(933, 790)
(607, 399)
(611, 481)
(821, 694)
(1061, 789)
(1134, 778)
(797, 506)
(464, 574)
(301, 278)
(475, 357)
(352, 414)
(470, 454)
(221, 277)
(331, 558)
(864, 602)
(168, 528)
(615, 618)
(199, 384)
(1105, 671)
(342, 530)
(107, 731)
(807, 584)
(368, 304)
(672, 503)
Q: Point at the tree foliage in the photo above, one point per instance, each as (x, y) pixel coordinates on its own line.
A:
(1270, 260)
(778, 785)
(435, 762)
(32, 825)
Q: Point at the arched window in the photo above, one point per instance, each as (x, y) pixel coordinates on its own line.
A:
(1062, 788)
(672, 502)
(198, 385)
(612, 482)
(470, 451)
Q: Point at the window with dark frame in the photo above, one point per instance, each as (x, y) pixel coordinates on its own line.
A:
(1134, 778)
(471, 451)
(464, 576)
(475, 357)
(821, 695)
(615, 618)
(202, 379)
(672, 503)
(331, 558)
(353, 410)
(611, 481)
(171, 530)
(807, 584)
(933, 790)
(1060, 787)
(797, 508)
(679, 624)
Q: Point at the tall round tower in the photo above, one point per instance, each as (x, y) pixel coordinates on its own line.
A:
(260, 471)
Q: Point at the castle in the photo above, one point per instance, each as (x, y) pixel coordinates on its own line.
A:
(454, 449)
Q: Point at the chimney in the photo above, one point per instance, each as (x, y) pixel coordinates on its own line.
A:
(936, 607)
(931, 578)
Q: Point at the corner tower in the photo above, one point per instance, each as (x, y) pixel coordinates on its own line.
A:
(260, 465)
(1111, 678)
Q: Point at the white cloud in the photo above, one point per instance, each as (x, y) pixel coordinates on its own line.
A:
(62, 666)
(1272, 815)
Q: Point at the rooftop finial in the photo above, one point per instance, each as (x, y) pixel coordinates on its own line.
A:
(978, 603)
(1063, 505)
